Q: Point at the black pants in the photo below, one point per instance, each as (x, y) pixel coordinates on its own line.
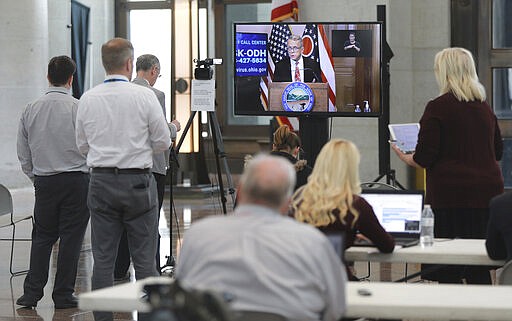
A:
(465, 223)
(123, 253)
(60, 212)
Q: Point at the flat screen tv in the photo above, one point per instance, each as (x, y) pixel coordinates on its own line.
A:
(338, 71)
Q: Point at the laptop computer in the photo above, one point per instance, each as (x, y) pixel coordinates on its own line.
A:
(399, 212)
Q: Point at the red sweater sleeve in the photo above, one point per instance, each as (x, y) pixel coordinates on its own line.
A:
(369, 226)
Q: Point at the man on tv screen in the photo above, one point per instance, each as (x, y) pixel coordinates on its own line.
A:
(351, 45)
(296, 67)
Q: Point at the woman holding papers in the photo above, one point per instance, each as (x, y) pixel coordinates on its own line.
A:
(459, 145)
(330, 198)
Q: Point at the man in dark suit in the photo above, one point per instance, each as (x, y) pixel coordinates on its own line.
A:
(296, 67)
(499, 229)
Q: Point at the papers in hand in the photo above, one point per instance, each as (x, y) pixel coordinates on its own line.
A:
(404, 136)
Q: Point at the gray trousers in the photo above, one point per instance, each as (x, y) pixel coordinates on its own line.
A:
(119, 202)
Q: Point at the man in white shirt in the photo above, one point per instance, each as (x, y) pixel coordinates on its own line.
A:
(147, 68)
(119, 125)
(266, 261)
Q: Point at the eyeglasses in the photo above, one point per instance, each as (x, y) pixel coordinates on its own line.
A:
(294, 48)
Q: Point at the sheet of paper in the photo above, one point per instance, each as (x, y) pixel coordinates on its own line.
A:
(203, 95)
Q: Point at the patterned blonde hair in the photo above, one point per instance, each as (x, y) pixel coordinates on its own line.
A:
(332, 185)
(456, 73)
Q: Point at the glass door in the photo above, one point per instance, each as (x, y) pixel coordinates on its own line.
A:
(150, 32)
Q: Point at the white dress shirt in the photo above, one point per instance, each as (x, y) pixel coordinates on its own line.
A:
(301, 68)
(120, 124)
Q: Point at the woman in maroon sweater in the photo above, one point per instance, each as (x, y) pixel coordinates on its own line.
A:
(330, 202)
(459, 144)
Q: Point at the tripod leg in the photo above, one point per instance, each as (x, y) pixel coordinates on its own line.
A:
(222, 154)
(168, 268)
(213, 122)
(185, 131)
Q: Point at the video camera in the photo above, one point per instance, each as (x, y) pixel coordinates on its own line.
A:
(171, 302)
(203, 69)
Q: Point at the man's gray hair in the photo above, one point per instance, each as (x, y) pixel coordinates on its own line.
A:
(146, 62)
(296, 38)
(268, 180)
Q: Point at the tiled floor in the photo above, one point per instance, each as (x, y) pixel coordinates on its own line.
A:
(190, 204)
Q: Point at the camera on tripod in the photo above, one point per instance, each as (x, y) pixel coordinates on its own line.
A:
(172, 302)
(203, 69)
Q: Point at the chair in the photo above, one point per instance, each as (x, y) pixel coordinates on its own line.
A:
(7, 219)
(505, 278)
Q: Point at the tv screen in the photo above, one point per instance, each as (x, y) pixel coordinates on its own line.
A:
(293, 69)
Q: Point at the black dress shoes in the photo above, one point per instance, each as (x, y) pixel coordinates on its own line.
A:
(67, 303)
(26, 301)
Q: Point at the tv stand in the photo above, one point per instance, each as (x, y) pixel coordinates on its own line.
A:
(314, 133)
(390, 176)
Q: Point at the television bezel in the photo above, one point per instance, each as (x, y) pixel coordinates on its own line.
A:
(323, 114)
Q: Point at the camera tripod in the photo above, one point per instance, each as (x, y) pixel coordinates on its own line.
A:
(218, 146)
(168, 268)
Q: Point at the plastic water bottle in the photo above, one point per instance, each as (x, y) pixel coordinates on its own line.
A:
(427, 227)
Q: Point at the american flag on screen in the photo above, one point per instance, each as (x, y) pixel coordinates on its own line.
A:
(282, 11)
(316, 47)
(277, 51)
(327, 66)
(277, 43)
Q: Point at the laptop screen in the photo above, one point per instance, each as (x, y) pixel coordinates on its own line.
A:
(398, 211)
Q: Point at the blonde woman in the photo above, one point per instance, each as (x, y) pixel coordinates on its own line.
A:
(459, 145)
(330, 199)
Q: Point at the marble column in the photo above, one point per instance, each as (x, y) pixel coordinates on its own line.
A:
(24, 43)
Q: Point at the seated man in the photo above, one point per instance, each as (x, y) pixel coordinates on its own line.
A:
(265, 260)
(499, 229)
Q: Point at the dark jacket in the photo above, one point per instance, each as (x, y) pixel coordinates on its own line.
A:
(459, 144)
(499, 230)
(302, 169)
(283, 72)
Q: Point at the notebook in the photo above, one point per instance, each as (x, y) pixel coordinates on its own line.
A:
(399, 212)
(405, 136)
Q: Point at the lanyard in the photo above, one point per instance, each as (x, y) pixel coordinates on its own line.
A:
(114, 79)
(55, 91)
